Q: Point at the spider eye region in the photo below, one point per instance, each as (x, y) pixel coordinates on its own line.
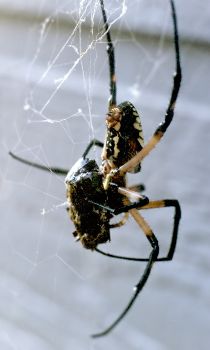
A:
(124, 137)
(84, 185)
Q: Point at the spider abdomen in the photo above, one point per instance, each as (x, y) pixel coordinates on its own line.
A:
(84, 184)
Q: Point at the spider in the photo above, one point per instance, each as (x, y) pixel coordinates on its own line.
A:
(96, 194)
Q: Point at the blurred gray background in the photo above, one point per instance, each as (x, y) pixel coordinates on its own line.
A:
(53, 98)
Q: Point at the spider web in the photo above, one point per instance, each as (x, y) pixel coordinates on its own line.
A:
(60, 89)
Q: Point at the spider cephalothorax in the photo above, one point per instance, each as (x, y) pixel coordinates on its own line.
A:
(95, 195)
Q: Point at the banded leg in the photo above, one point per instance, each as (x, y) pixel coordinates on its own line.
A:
(139, 286)
(160, 131)
(177, 216)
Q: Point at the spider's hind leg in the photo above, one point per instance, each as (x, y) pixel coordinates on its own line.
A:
(143, 279)
(164, 203)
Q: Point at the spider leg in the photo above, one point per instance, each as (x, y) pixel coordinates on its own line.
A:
(159, 204)
(120, 256)
(160, 131)
(177, 216)
(55, 170)
(111, 57)
(139, 286)
(92, 143)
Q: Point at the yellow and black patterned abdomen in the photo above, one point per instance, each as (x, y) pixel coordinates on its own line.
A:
(124, 135)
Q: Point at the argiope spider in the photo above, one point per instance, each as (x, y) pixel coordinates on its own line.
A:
(96, 194)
